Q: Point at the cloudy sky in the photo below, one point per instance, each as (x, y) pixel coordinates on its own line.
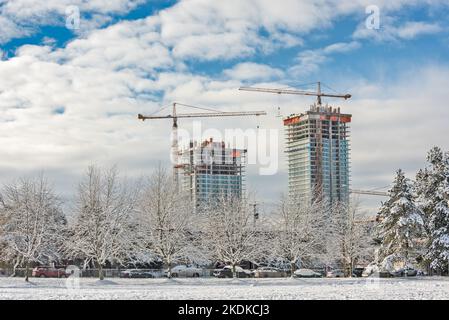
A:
(69, 96)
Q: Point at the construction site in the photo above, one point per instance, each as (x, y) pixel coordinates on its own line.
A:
(317, 146)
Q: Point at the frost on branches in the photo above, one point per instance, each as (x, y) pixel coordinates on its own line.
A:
(433, 193)
(228, 230)
(103, 230)
(299, 231)
(166, 221)
(32, 223)
(401, 224)
(352, 238)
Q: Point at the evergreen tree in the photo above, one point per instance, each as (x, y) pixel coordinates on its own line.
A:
(438, 254)
(427, 182)
(401, 223)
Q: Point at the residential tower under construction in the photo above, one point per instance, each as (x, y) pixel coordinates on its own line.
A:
(209, 168)
(318, 154)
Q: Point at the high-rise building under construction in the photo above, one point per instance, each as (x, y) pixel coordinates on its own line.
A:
(318, 150)
(209, 169)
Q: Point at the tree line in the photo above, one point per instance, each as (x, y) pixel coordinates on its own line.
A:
(116, 221)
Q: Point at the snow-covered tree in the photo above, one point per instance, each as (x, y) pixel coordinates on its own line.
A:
(426, 184)
(352, 238)
(104, 224)
(300, 231)
(166, 217)
(32, 223)
(438, 214)
(401, 223)
(228, 230)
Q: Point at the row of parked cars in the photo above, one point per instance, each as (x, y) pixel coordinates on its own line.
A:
(264, 272)
(191, 271)
(181, 271)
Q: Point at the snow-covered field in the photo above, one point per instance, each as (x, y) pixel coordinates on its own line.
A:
(210, 288)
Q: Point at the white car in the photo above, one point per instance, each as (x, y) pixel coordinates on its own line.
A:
(268, 272)
(371, 269)
(306, 273)
(185, 271)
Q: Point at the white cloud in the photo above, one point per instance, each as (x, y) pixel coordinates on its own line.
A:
(311, 60)
(395, 124)
(20, 18)
(392, 30)
(253, 71)
(341, 47)
(411, 30)
(10, 30)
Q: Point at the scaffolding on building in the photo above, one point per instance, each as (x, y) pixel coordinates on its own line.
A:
(317, 147)
(209, 169)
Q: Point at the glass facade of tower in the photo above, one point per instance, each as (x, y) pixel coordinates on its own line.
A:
(317, 147)
(209, 169)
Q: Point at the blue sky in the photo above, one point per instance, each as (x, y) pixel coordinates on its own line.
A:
(69, 98)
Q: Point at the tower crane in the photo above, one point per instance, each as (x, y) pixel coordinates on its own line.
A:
(318, 93)
(174, 115)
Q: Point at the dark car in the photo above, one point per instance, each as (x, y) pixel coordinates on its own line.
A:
(357, 272)
(397, 273)
(136, 273)
(226, 272)
(406, 272)
(50, 272)
(336, 273)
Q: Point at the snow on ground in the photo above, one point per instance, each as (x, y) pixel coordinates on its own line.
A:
(211, 288)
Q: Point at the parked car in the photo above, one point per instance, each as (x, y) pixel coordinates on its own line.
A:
(397, 273)
(226, 272)
(185, 271)
(306, 273)
(385, 274)
(357, 271)
(336, 273)
(268, 272)
(404, 272)
(50, 272)
(371, 269)
(137, 273)
(410, 272)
